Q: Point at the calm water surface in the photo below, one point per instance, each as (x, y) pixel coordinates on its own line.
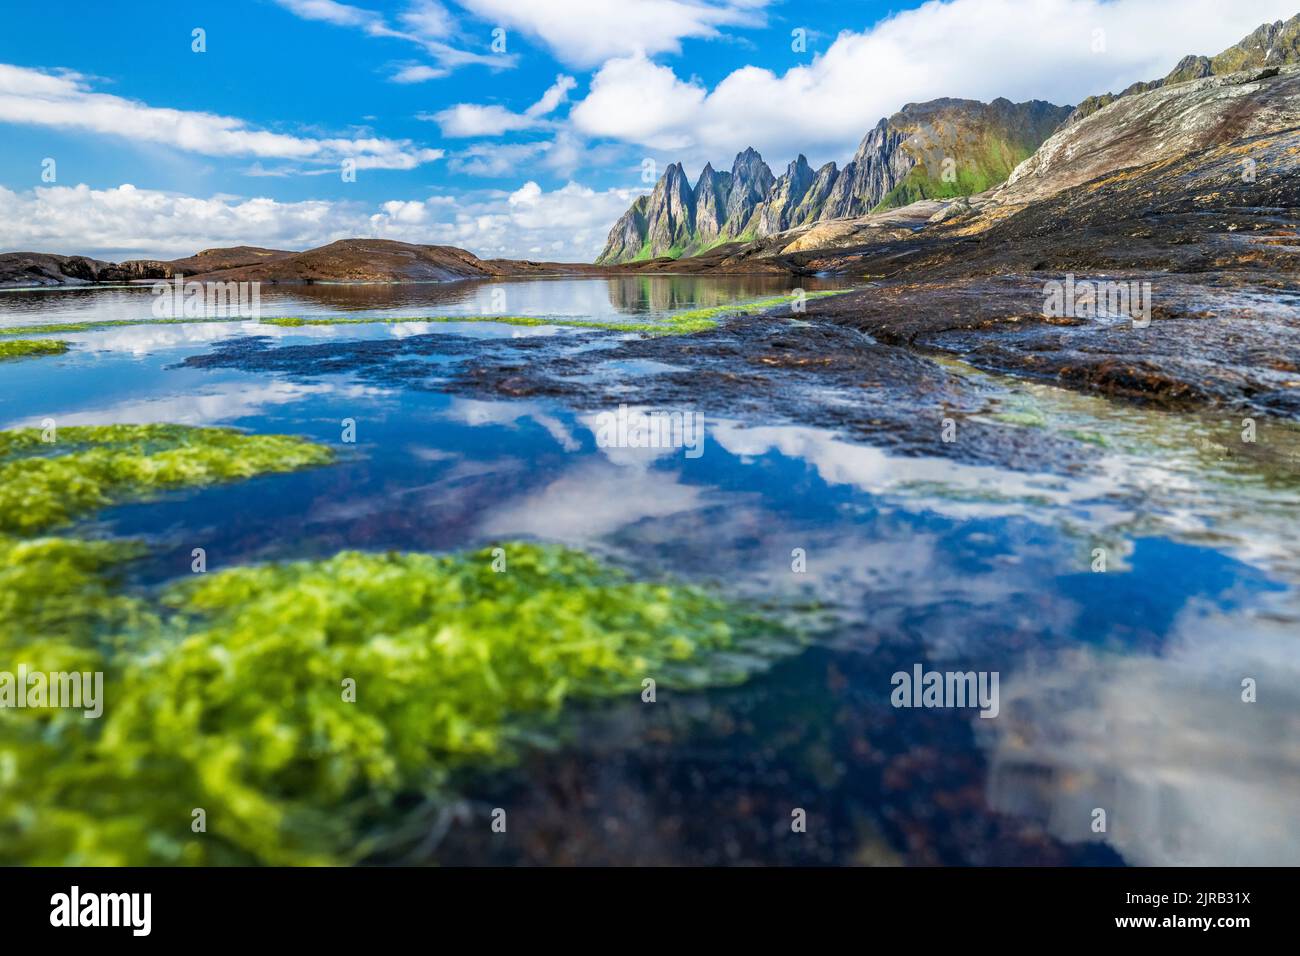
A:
(1118, 690)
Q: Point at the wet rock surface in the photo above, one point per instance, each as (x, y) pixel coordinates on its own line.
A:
(1219, 250)
(1210, 242)
(784, 368)
(1210, 341)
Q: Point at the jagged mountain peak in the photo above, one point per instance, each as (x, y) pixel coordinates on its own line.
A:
(750, 168)
(900, 159)
(710, 178)
(670, 213)
(711, 191)
(1270, 44)
(674, 173)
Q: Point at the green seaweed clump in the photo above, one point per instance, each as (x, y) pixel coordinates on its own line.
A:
(310, 709)
(63, 608)
(29, 348)
(299, 703)
(99, 325)
(59, 599)
(46, 485)
(697, 320)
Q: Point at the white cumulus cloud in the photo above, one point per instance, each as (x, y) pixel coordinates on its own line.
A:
(66, 101)
(472, 119)
(1055, 50)
(584, 33)
(566, 224)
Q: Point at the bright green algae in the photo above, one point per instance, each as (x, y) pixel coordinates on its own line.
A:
(60, 593)
(45, 485)
(96, 325)
(225, 691)
(60, 598)
(63, 606)
(30, 348)
(235, 703)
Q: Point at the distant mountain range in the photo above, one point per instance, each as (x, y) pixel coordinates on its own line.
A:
(939, 149)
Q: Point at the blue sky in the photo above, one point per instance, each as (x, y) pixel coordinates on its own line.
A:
(529, 151)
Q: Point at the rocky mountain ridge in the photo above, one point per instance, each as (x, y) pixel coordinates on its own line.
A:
(942, 148)
(1158, 125)
(1269, 45)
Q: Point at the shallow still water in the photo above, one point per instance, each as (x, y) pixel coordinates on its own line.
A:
(625, 297)
(1118, 691)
